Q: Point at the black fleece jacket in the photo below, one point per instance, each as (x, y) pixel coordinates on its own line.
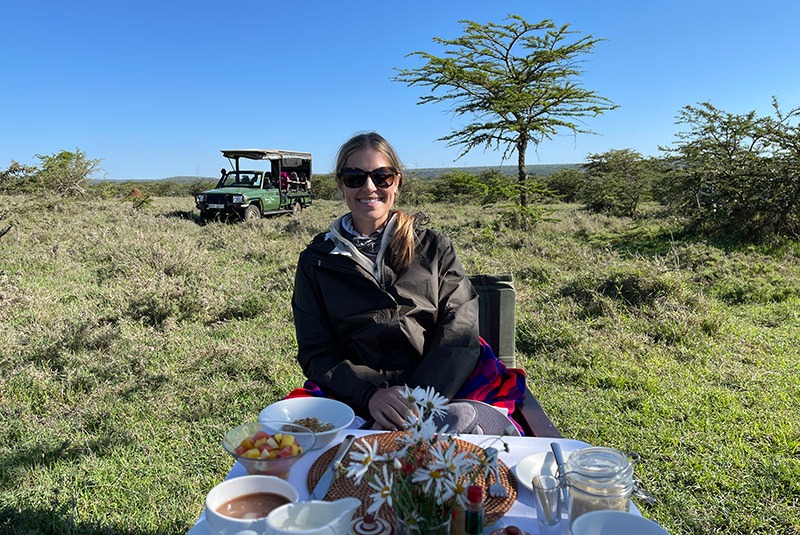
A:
(360, 329)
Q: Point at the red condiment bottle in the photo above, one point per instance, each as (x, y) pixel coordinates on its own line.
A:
(473, 511)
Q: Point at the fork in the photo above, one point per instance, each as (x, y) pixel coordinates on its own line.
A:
(496, 489)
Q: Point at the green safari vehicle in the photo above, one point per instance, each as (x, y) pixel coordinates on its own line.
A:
(282, 188)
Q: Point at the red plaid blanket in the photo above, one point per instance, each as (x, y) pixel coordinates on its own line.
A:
(490, 382)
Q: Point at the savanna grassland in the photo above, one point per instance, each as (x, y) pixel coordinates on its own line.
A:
(132, 339)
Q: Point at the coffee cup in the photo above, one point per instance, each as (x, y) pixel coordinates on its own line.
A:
(239, 506)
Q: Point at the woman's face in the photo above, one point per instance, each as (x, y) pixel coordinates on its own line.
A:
(369, 204)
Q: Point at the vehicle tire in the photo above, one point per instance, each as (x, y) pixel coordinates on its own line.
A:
(297, 208)
(252, 212)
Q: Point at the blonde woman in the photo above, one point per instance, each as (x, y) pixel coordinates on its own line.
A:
(380, 302)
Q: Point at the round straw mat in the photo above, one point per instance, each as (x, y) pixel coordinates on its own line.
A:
(342, 486)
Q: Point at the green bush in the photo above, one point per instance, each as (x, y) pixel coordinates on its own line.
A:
(736, 173)
(324, 187)
(615, 182)
(18, 178)
(566, 184)
(458, 187)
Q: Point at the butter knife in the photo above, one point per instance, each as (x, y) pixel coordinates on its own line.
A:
(324, 483)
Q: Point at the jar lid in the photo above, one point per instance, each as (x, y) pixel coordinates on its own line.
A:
(475, 494)
(599, 467)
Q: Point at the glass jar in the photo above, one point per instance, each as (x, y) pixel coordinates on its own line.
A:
(598, 478)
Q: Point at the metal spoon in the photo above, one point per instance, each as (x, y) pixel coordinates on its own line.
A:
(558, 455)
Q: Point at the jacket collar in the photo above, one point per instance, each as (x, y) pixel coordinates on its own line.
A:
(343, 246)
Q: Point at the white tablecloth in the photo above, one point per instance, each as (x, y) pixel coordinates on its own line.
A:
(522, 513)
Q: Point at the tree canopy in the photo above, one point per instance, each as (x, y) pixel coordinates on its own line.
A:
(518, 81)
(67, 173)
(737, 171)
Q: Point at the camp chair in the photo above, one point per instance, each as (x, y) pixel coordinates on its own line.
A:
(497, 325)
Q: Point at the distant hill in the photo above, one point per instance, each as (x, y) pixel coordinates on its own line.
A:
(190, 179)
(426, 173)
(508, 170)
(177, 179)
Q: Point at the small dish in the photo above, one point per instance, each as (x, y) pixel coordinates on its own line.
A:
(538, 463)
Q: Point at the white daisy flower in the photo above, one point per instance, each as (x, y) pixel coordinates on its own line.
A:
(454, 487)
(383, 486)
(433, 403)
(429, 476)
(428, 430)
(364, 459)
(457, 463)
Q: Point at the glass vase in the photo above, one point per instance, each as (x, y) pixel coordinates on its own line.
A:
(435, 527)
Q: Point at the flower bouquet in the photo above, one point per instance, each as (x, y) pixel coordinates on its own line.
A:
(426, 476)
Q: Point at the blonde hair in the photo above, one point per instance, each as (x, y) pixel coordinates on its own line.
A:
(403, 243)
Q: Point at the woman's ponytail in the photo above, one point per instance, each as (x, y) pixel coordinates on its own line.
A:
(403, 241)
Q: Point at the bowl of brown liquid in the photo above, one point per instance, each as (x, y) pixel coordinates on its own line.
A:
(243, 503)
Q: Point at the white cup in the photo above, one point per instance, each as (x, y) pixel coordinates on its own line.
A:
(608, 522)
(220, 524)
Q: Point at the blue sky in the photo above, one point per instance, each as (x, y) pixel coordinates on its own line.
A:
(157, 88)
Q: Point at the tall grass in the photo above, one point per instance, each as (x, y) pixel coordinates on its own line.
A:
(130, 340)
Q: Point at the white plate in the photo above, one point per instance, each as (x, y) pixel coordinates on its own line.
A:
(538, 463)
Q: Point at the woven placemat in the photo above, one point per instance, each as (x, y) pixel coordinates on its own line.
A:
(342, 486)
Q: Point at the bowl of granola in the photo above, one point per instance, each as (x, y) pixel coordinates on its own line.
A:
(324, 416)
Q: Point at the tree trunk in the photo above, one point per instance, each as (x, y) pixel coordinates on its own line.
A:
(522, 169)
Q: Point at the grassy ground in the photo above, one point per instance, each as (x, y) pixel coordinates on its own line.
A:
(130, 340)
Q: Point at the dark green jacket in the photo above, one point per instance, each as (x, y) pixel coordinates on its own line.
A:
(359, 328)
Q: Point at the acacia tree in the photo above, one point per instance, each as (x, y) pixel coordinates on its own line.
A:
(67, 173)
(737, 171)
(519, 82)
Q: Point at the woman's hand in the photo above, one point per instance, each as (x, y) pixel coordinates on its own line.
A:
(388, 407)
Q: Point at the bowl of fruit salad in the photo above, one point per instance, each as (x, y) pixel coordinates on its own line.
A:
(268, 447)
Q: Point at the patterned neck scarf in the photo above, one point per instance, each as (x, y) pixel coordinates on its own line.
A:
(367, 245)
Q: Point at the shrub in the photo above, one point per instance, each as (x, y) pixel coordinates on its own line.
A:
(737, 173)
(566, 184)
(459, 187)
(615, 182)
(66, 173)
(18, 178)
(324, 187)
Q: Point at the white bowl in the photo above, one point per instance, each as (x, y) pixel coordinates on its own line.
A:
(325, 410)
(240, 486)
(615, 523)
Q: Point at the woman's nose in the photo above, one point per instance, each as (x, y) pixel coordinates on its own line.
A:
(369, 185)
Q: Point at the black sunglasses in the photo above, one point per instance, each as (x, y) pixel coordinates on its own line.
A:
(382, 177)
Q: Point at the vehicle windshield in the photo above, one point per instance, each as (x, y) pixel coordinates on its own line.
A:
(243, 179)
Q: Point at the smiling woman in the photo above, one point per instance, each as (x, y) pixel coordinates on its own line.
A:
(381, 302)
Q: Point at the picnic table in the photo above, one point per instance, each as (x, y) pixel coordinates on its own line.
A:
(521, 514)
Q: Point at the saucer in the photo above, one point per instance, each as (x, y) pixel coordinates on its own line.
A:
(533, 465)
(200, 528)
